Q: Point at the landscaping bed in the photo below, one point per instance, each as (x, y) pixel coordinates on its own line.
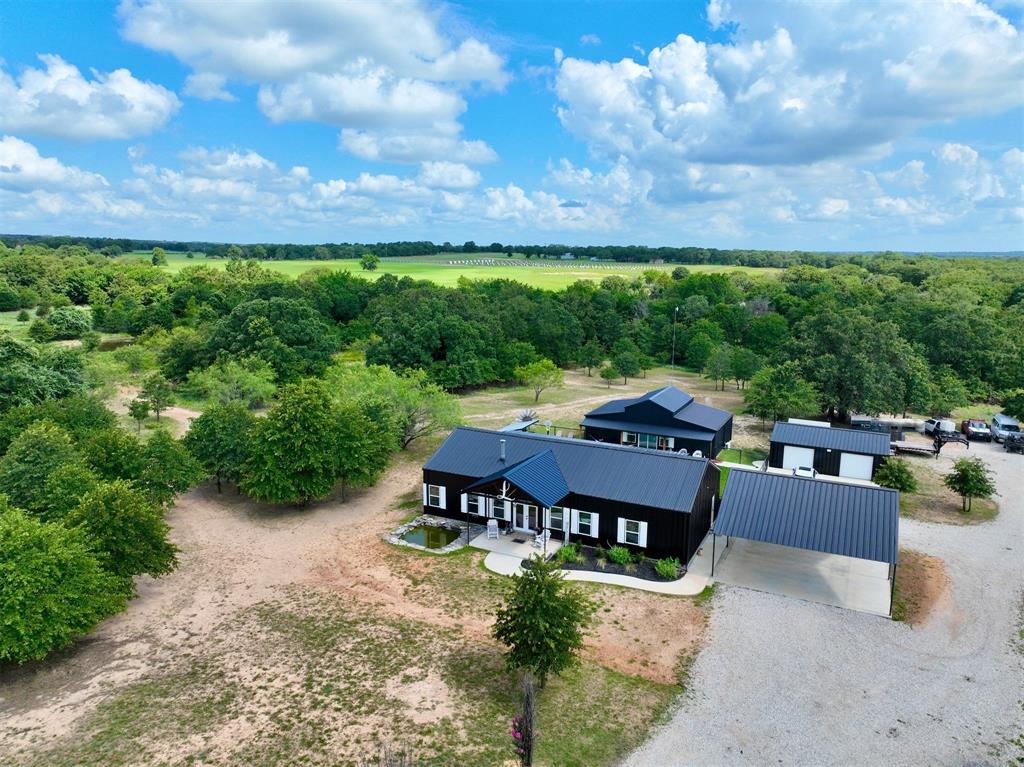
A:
(601, 561)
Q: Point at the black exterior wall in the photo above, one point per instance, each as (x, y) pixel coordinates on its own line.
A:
(825, 461)
(669, 533)
(709, 448)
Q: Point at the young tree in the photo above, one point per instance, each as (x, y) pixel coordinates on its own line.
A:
(158, 392)
(719, 365)
(138, 409)
(609, 373)
(627, 363)
(591, 355)
(698, 350)
(779, 392)
(219, 439)
(249, 380)
(32, 456)
(363, 448)
(540, 375)
(24, 316)
(369, 262)
(294, 450)
(542, 620)
(896, 474)
(41, 331)
(948, 392)
(69, 322)
(745, 364)
(970, 479)
(159, 257)
(128, 530)
(52, 587)
(168, 468)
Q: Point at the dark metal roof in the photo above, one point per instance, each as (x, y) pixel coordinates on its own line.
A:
(649, 428)
(538, 476)
(847, 440)
(519, 425)
(815, 514)
(678, 406)
(655, 478)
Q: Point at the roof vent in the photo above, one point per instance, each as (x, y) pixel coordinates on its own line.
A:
(501, 449)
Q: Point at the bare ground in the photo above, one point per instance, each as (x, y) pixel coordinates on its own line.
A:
(179, 418)
(277, 615)
(921, 588)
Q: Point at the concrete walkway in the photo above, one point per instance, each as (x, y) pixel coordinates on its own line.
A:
(698, 574)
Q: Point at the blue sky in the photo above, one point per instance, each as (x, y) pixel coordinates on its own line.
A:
(836, 126)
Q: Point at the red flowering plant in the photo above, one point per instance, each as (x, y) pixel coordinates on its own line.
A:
(522, 739)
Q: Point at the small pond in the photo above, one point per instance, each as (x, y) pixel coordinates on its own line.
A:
(109, 344)
(430, 536)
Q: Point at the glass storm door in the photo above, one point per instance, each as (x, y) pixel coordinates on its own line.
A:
(525, 516)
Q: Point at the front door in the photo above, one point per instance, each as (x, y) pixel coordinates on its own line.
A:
(524, 516)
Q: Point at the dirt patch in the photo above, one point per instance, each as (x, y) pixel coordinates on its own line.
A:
(178, 418)
(423, 694)
(922, 587)
(933, 501)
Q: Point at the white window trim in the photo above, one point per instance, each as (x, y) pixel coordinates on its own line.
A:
(441, 493)
(641, 540)
(547, 518)
(595, 523)
(481, 504)
(504, 504)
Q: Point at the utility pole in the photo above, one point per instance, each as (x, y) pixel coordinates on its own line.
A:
(675, 315)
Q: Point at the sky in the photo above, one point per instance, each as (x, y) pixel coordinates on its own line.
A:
(829, 125)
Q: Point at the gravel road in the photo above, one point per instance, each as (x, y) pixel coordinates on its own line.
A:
(785, 682)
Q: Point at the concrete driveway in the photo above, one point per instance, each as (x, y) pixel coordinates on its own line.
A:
(855, 584)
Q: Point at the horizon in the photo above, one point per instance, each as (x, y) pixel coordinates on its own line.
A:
(741, 125)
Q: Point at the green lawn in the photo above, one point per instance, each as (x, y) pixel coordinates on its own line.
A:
(537, 273)
(742, 455)
(9, 322)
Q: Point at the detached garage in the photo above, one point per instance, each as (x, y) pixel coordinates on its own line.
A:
(817, 540)
(839, 452)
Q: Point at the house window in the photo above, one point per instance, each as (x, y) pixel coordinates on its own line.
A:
(475, 505)
(501, 509)
(556, 518)
(664, 443)
(584, 524)
(648, 441)
(631, 532)
(434, 496)
(629, 438)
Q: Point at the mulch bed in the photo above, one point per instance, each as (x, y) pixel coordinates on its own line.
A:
(644, 569)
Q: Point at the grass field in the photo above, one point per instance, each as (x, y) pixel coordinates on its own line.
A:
(541, 274)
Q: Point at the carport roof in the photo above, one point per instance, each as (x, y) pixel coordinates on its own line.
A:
(847, 440)
(814, 514)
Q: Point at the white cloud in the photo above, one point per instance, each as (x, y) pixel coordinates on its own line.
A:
(448, 175)
(796, 83)
(23, 168)
(590, 39)
(387, 71)
(412, 147)
(833, 206)
(207, 86)
(58, 101)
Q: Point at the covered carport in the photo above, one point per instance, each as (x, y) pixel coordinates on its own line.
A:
(810, 539)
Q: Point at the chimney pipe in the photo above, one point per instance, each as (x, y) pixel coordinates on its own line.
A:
(501, 450)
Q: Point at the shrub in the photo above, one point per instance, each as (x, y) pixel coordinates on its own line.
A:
(619, 555)
(135, 358)
(39, 450)
(68, 322)
(91, 341)
(567, 553)
(600, 554)
(41, 331)
(42, 310)
(896, 474)
(24, 316)
(667, 568)
(52, 587)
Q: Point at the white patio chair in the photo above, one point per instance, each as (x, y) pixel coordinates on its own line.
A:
(541, 539)
(698, 454)
(492, 528)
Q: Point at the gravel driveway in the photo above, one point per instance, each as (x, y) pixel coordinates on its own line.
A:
(793, 683)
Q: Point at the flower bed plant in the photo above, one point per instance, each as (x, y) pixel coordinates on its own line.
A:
(618, 560)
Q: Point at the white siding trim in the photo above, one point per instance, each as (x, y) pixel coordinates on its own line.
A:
(464, 499)
(643, 535)
(574, 521)
(424, 493)
(622, 530)
(444, 496)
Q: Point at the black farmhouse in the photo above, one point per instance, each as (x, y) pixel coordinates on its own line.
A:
(665, 419)
(840, 452)
(579, 490)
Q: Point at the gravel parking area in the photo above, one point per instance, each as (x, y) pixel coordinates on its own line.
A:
(793, 683)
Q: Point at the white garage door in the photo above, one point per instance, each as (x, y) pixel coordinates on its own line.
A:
(855, 466)
(793, 457)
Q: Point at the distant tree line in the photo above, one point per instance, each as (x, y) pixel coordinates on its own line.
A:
(355, 250)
